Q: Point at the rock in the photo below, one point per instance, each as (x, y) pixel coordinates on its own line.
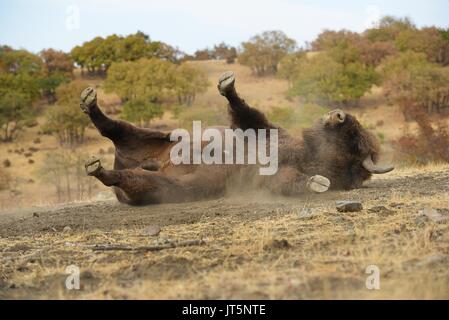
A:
(425, 262)
(349, 206)
(6, 163)
(30, 161)
(66, 229)
(432, 260)
(35, 215)
(305, 213)
(436, 215)
(382, 210)
(421, 219)
(277, 244)
(151, 231)
(397, 205)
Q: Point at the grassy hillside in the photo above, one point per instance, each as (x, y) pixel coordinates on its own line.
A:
(27, 186)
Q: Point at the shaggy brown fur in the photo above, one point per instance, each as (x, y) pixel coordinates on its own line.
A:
(334, 147)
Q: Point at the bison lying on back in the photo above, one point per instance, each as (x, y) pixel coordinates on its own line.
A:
(336, 152)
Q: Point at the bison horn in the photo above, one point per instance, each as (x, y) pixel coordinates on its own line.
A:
(371, 167)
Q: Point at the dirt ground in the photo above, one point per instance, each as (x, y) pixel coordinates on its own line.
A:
(254, 246)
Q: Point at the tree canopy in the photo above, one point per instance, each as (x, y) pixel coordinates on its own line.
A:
(263, 52)
(98, 54)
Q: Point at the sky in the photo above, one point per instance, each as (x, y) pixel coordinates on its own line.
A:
(197, 24)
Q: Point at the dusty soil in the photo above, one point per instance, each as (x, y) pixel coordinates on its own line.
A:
(255, 245)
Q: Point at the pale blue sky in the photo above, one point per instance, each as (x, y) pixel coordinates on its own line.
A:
(195, 24)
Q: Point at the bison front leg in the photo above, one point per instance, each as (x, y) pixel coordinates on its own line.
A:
(138, 186)
(125, 136)
(289, 181)
(242, 115)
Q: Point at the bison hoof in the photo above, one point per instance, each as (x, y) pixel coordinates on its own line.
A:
(318, 184)
(226, 82)
(93, 166)
(88, 99)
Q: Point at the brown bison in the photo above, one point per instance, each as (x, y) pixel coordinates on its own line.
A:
(336, 152)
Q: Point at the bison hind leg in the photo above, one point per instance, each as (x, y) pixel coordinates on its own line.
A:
(226, 83)
(92, 166)
(88, 100)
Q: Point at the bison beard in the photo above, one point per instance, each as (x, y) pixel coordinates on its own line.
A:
(336, 149)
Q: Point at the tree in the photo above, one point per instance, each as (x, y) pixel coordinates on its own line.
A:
(98, 54)
(147, 84)
(346, 46)
(20, 72)
(412, 81)
(388, 28)
(57, 62)
(431, 41)
(141, 111)
(221, 51)
(328, 39)
(323, 80)
(262, 53)
(288, 66)
(15, 109)
(148, 79)
(58, 69)
(189, 82)
(64, 119)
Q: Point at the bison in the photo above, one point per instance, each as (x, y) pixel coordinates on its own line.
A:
(336, 152)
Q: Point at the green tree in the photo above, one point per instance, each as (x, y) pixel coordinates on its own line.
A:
(323, 80)
(289, 65)
(388, 28)
(141, 111)
(189, 82)
(20, 72)
(15, 109)
(98, 54)
(65, 119)
(149, 79)
(431, 41)
(263, 52)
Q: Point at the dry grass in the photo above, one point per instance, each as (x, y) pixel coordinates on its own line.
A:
(326, 256)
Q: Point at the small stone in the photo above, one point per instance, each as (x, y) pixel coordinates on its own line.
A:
(382, 210)
(6, 163)
(305, 213)
(152, 231)
(349, 206)
(66, 229)
(277, 244)
(421, 219)
(397, 205)
(436, 215)
(432, 260)
(35, 215)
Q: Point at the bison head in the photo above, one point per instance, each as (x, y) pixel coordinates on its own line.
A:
(339, 148)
